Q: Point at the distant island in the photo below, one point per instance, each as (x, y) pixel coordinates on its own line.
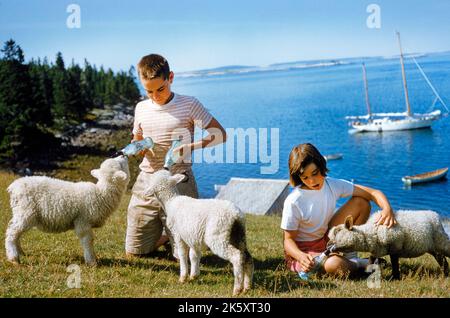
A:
(285, 66)
(242, 69)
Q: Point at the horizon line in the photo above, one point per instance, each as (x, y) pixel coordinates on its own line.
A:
(312, 59)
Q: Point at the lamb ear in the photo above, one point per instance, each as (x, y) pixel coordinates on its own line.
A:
(348, 222)
(119, 176)
(95, 173)
(179, 178)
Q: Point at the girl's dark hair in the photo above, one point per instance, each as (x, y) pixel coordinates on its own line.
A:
(153, 66)
(300, 157)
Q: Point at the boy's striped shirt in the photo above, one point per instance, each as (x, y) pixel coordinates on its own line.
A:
(164, 123)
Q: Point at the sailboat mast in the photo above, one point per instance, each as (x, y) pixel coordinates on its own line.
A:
(369, 113)
(405, 87)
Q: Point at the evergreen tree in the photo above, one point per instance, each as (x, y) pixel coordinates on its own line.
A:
(60, 98)
(47, 80)
(131, 92)
(75, 107)
(12, 52)
(17, 125)
(36, 96)
(100, 87)
(111, 88)
(88, 85)
(40, 94)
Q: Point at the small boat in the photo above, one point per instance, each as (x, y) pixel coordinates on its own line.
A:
(335, 156)
(425, 177)
(378, 122)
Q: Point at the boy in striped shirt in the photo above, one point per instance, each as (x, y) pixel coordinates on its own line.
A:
(164, 116)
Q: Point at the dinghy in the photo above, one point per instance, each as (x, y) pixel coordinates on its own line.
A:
(425, 177)
(335, 156)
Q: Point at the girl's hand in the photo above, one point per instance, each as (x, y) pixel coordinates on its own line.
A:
(386, 217)
(306, 262)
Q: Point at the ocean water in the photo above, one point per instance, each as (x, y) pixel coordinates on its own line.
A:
(309, 104)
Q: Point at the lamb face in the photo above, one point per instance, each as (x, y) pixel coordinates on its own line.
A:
(123, 162)
(113, 170)
(346, 238)
(162, 182)
(342, 238)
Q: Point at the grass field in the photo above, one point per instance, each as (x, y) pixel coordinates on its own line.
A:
(43, 272)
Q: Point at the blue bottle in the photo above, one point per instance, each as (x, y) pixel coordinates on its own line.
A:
(172, 157)
(137, 146)
(318, 262)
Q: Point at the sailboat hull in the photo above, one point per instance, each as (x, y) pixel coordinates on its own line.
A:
(393, 125)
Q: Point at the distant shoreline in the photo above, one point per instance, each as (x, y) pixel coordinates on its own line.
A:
(300, 64)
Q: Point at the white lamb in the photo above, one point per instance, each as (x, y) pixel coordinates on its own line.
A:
(56, 206)
(194, 223)
(417, 233)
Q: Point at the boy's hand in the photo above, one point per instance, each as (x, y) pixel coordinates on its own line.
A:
(142, 152)
(386, 217)
(146, 151)
(306, 262)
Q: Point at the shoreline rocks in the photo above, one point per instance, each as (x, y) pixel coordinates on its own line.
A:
(90, 136)
(95, 132)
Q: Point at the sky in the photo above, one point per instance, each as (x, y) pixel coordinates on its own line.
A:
(200, 34)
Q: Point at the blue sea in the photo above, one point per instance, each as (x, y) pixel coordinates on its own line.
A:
(309, 102)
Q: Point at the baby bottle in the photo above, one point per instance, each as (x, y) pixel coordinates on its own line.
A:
(137, 146)
(318, 262)
(171, 157)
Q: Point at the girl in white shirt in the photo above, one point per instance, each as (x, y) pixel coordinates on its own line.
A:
(309, 211)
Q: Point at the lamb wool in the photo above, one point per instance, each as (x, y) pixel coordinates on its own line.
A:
(55, 206)
(416, 233)
(196, 223)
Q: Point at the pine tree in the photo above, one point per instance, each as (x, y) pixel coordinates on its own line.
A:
(40, 94)
(60, 98)
(110, 94)
(88, 85)
(75, 107)
(131, 93)
(100, 87)
(46, 76)
(16, 105)
(12, 52)
(36, 96)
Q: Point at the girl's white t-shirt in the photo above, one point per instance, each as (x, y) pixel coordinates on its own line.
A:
(309, 211)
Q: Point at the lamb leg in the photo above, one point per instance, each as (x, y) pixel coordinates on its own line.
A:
(86, 236)
(395, 267)
(372, 261)
(442, 262)
(14, 231)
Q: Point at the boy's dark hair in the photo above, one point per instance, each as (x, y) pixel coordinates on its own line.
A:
(152, 66)
(300, 157)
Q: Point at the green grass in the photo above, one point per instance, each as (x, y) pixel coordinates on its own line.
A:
(43, 270)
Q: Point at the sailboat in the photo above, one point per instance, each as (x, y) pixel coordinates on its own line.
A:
(396, 121)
